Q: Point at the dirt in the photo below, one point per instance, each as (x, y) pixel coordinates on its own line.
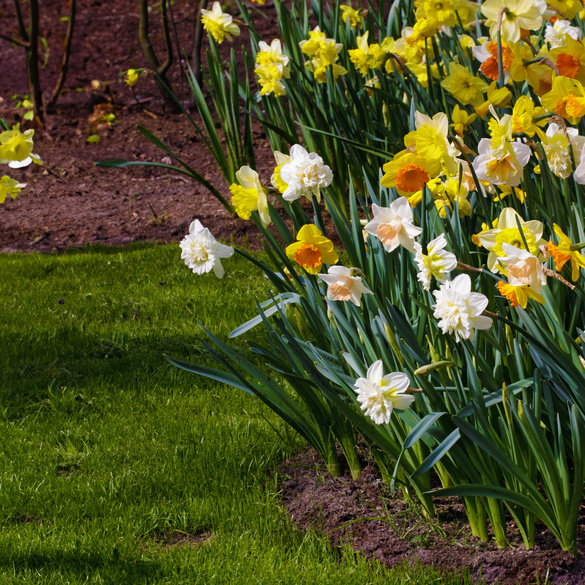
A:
(70, 202)
(365, 515)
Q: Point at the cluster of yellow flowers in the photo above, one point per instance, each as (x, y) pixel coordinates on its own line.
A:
(324, 54)
(272, 68)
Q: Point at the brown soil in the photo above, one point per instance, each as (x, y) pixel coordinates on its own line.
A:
(366, 516)
(71, 202)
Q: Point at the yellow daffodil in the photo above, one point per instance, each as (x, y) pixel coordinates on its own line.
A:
(353, 15)
(461, 120)
(563, 253)
(570, 59)
(408, 173)
(498, 98)
(219, 24)
(16, 148)
(525, 117)
(320, 47)
(566, 98)
(9, 188)
(276, 179)
(312, 249)
(464, 86)
(440, 11)
(250, 196)
(132, 76)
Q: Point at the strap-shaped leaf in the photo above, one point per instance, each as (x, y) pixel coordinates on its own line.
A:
(280, 301)
(421, 428)
(438, 453)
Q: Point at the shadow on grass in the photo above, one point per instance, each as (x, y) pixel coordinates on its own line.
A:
(68, 564)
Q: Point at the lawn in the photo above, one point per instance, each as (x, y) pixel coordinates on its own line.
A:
(116, 467)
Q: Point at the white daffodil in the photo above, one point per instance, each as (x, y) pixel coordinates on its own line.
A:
(518, 15)
(393, 225)
(342, 286)
(459, 310)
(556, 34)
(579, 174)
(438, 262)
(379, 394)
(556, 147)
(508, 232)
(305, 174)
(201, 252)
(522, 268)
(250, 196)
(504, 166)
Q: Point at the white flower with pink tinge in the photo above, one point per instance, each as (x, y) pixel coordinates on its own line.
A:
(393, 225)
(201, 252)
(379, 394)
(343, 286)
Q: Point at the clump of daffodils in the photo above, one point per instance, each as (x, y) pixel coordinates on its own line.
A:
(324, 54)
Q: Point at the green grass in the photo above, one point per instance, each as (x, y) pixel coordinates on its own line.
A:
(106, 448)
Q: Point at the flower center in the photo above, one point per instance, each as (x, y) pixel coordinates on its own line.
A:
(341, 290)
(411, 178)
(308, 256)
(575, 106)
(388, 232)
(567, 65)
(198, 252)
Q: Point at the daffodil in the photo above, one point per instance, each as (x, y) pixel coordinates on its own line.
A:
(305, 174)
(430, 141)
(465, 87)
(344, 285)
(9, 188)
(557, 145)
(563, 252)
(408, 172)
(502, 166)
(525, 276)
(393, 225)
(16, 148)
(351, 15)
(132, 76)
(570, 59)
(276, 179)
(517, 15)
(219, 24)
(496, 97)
(440, 11)
(438, 262)
(461, 120)
(272, 54)
(458, 310)
(566, 98)
(312, 249)
(269, 78)
(453, 192)
(512, 230)
(250, 196)
(527, 117)
(201, 252)
(487, 55)
(380, 394)
(555, 34)
(321, 48)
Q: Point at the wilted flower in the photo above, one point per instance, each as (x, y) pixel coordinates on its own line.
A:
(459, 310)
(305, 174)
(312, 249)
(393, 225)
(379, 394)
(219, 24)
(343, 286)
(201, 252)
(438, 262)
